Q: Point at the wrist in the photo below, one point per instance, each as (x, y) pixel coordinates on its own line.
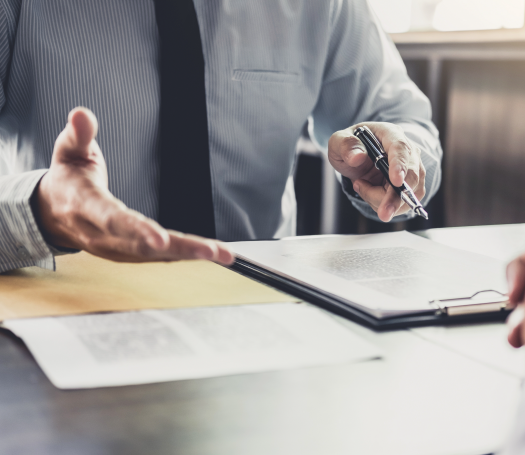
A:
(45, 221)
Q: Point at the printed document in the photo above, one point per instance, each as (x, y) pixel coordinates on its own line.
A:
(383, 274)
(116, 349)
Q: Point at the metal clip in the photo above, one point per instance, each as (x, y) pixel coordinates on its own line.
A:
(447, 306)
(378, 158)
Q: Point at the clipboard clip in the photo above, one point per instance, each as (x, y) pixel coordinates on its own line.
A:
(469, 305)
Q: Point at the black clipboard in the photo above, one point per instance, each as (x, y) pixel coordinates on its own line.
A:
(443, 315)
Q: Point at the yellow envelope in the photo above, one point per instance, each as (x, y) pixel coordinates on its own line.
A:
(85, 284)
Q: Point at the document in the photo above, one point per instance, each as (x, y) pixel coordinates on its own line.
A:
(382, 274)
(116, 349)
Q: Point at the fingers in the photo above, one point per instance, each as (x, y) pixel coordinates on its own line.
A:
(383, 199)
(187, 246)
(348, 155)
(111, 230)
(405, 166)
(99, 214)
(119, 221)
(516, 280)
(372, 194)
(392, 205)
(181, 247)
(401, 152)
(516, 326)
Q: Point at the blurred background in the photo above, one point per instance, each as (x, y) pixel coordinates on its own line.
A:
(468, 57)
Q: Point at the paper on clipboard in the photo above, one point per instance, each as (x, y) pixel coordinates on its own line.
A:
(385, 275)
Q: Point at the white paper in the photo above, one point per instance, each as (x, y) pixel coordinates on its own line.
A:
(116, 349)
(384, 274)
(485, 343)
(502, 242)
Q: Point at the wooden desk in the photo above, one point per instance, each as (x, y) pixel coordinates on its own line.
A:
(421, 399)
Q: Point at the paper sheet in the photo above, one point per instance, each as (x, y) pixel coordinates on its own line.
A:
(384, 274)
(118, 349)
(485, 343)
(84, 284)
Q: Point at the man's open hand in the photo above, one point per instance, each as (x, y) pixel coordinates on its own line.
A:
(74, 208)
(348, 156)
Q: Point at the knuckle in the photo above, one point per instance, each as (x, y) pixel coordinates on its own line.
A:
(87, 241)
(69, 210)
(332, 141)
(412, 174)
(142, 249)
(178, 246)
(398, 128)
(335, 139)
(108, 220)
(403, 145)
(349, 142)
(363, 193)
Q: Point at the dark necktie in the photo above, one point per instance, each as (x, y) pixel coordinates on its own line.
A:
(185, 197)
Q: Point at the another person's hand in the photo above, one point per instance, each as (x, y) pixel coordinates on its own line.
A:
(348, 156)
(516, 281)
(74, 208)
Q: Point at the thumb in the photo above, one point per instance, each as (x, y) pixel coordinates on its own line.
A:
(74, 141)
(84, 126)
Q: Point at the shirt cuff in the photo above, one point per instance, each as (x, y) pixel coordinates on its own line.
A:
(21, 242)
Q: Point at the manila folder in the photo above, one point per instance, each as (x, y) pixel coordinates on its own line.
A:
(85, 284)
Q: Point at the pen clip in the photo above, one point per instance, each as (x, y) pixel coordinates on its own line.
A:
(370, 136)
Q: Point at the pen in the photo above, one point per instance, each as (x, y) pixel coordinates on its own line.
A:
(378, 155)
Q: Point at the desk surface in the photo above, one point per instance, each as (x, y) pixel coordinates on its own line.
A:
(422, 398)
(469, 36)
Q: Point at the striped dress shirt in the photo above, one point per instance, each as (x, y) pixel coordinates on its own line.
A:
(271, 65)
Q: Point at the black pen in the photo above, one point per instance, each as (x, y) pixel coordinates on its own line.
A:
(378, 155)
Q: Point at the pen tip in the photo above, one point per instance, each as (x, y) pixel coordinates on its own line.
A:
(421, 212)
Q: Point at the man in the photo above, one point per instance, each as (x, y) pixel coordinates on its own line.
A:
(268, 66)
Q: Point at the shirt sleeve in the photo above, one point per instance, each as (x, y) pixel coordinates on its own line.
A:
(365, 80)
(21, 243)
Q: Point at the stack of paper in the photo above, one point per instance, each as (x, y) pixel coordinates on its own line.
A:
(152, 346)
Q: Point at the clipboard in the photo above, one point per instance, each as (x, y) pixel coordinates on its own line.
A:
(454, 311)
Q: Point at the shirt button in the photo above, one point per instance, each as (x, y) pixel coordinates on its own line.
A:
(23, 253)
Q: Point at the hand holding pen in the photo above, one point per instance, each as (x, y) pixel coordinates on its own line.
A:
(378, 156)
(349, 156)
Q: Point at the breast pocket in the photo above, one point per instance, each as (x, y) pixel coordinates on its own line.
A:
(281, 77)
